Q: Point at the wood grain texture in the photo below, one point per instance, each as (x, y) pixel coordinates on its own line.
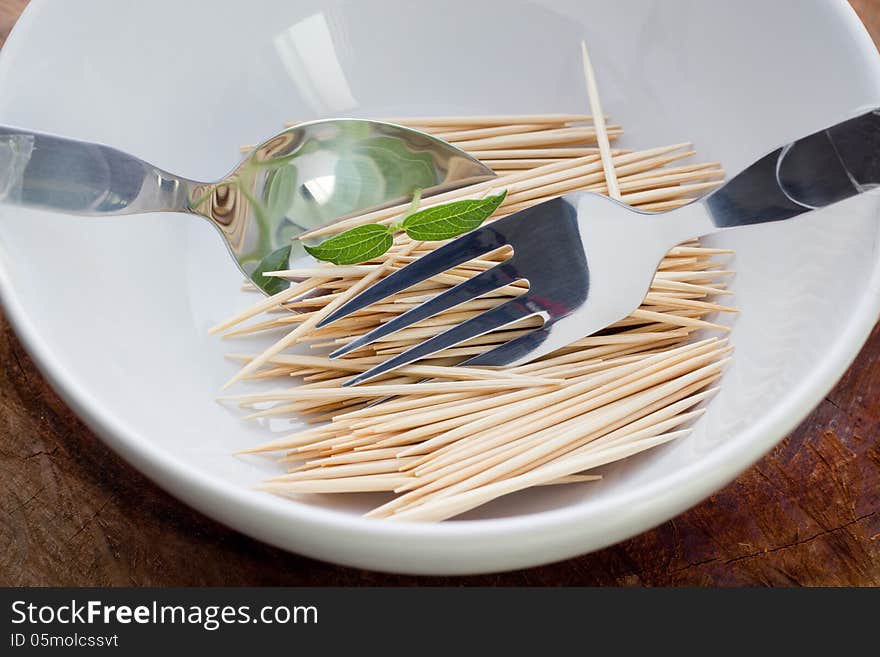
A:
(73, 513)
(9, 13)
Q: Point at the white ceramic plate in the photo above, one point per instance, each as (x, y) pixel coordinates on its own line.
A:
(115, 310)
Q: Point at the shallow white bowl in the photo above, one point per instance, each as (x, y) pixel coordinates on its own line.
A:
(115, 311)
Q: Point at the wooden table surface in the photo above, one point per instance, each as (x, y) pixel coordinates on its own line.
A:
(73, 513)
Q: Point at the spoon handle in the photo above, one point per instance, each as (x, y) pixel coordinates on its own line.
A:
(77, 177)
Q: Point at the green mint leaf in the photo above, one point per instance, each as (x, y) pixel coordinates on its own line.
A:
(278, 260)
(449, 220)
(353, 246)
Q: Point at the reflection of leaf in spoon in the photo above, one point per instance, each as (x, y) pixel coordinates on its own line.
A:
(280, 197)
(354, 186)
(280, 190)
(275, 261)
(401, 169)
(359, 184)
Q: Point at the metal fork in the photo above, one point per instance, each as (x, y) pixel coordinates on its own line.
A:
(589, 260)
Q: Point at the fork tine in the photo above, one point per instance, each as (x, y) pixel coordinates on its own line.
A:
(531, 344)
(484, 282)
(460, 250)
(507, 313)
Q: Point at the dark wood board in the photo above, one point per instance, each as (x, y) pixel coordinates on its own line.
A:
(73, 513)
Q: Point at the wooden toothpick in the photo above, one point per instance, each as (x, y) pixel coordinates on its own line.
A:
(599, 122)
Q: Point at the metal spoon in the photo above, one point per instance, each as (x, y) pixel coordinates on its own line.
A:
(305, 177)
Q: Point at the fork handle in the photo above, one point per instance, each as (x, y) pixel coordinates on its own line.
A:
(78, 177)
(815, 171)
